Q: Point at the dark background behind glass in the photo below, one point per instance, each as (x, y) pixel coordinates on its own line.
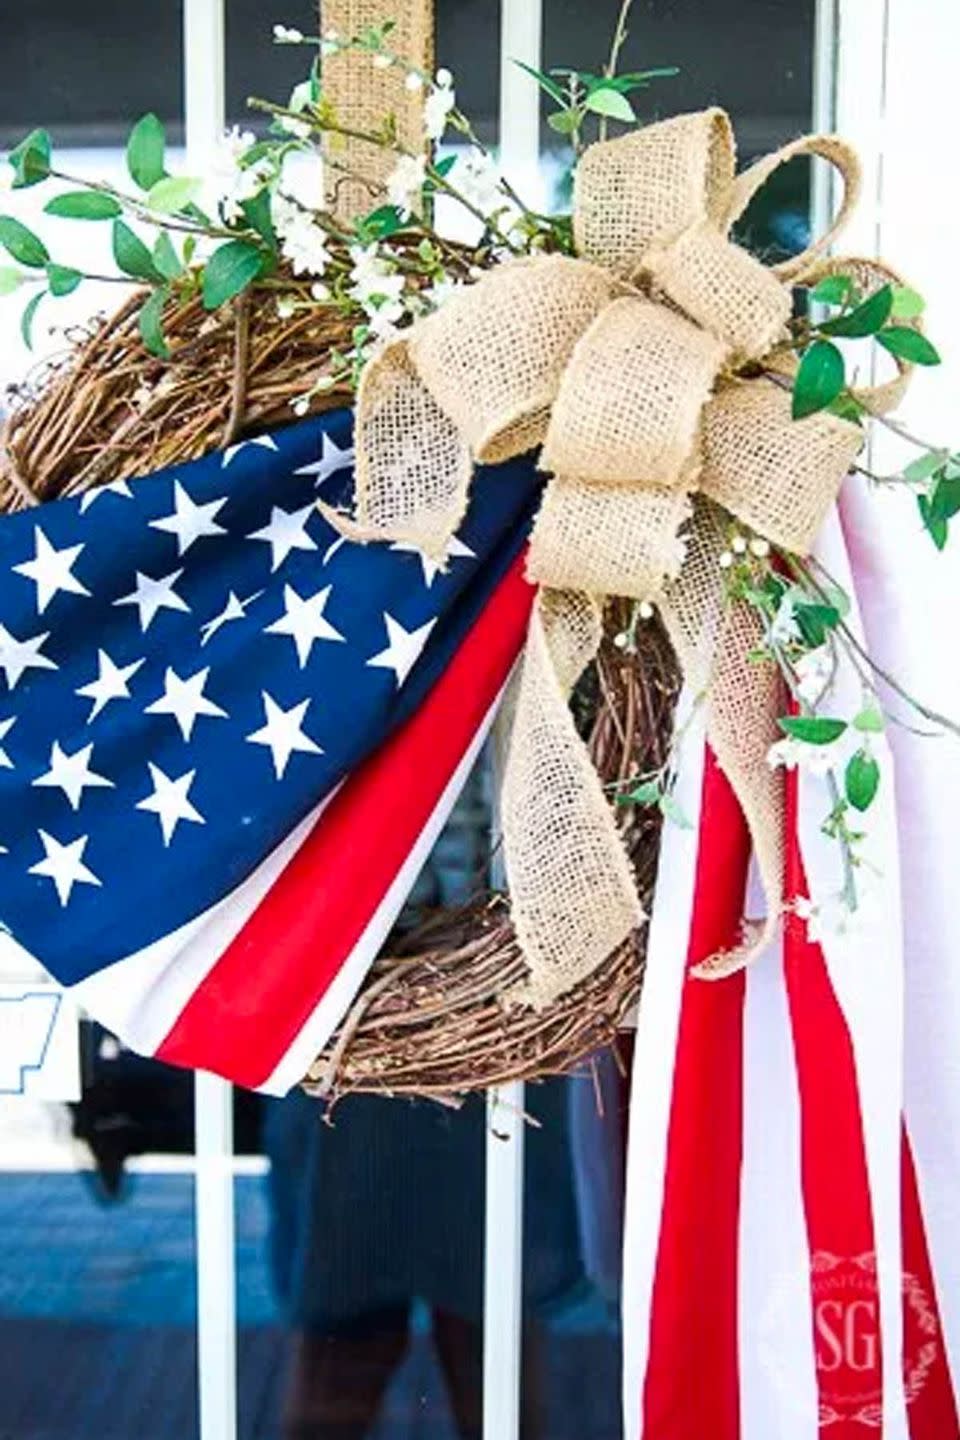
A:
(88, 69)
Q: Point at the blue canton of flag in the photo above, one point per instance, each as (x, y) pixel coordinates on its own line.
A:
(191, 663)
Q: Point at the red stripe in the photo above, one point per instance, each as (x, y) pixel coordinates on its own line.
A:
(836, 1192)
(247, 1012)
(931, 1404)
(839, 1216)
(691, 1389)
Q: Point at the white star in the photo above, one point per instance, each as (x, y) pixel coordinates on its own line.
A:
(233, 610)
(332, 459)
(184, 700)
(404, 649)
(169, 801)
(189, 521)
(282, 733)
(51, 570)
(304, 621)
(19, 655)
(72, 773)
(5, 727)
(116, 487)
(286, 532)
(455, 550)
(153, 595)
(266, 441)
(110, 684)
(63, 864)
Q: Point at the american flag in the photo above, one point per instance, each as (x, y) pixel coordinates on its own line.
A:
(228, 738)
(791, 1266)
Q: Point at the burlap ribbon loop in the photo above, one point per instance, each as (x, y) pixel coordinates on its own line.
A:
(622, 365)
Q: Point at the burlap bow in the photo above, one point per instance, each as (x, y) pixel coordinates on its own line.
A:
(622, 365)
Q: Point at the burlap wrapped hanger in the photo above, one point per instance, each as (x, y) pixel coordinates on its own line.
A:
(623, 365)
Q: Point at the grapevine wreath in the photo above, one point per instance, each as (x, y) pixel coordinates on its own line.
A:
(633, 337)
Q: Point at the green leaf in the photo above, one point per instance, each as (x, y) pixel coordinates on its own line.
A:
(22, 244)
(380, 223)
(819, 380)
(256, 212)
(936, 526)
(847, 407)
(945, 498)
(646, 794)
(165, 258)
(145, 152)
(565, 122)
(671, 810)
(870, 720)
(639, 79)
(84, 205)
(861, 780)
(173, 193)
(909, 345)
(63, 279)
(228, 271)
(907, 304)
(605, 100)
(550, 86)
(151, 326)
(10, 279)
(813, 729)
(815, 621)
(834, 290)
(868, 317)
(923, 467)
(27, 318)
(131, 255)
(31, 159)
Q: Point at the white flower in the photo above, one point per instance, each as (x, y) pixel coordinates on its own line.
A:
(814, 671)
(478, 180)
(437, 106)
(229, 182)
(795, 754)
(319, 291)
(783, 627)
(330, 43)
(286, 307)
(831, 917)
(301, 241)
(440, 291)
(738, 545)
(287, 35)
(375, 282)
(405, 184)
(444, 78)
(725, 560)
(414, 81)
(645, 610)
(301, 406)
(759, 547)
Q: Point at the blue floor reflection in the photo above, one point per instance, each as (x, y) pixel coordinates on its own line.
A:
(97, 1315)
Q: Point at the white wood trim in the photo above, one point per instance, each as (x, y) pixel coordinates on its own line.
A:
(503, 1263)
(216, 1259)
(204, 67)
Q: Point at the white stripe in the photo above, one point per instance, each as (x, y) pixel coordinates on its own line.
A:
(658, 1020)
(140, 997)
(866, 973)
(341, 992)
(903, 588)
(778, 1380)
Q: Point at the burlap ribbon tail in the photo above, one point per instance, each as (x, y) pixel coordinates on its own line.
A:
(622, 364)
